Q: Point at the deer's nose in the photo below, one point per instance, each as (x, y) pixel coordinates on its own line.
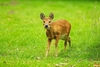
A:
(46, 26)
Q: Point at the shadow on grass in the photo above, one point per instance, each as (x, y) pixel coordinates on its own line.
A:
(79, 52)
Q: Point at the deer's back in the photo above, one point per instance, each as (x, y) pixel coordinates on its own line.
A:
(61, 26)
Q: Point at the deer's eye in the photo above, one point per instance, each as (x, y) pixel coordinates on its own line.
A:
(49, 21)
(43, 21)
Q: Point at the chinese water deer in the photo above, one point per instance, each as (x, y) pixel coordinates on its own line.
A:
(56, 30)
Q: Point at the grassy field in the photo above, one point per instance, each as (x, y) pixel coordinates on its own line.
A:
(23, 40)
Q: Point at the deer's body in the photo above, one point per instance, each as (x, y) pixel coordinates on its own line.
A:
(60, 28)
(56, 30)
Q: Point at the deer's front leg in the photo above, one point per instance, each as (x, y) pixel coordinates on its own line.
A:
(48, 47)
(56, 45)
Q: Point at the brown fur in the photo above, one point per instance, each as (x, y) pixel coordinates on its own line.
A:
(56, 30)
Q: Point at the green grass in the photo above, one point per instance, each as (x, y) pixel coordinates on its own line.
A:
(23, 40)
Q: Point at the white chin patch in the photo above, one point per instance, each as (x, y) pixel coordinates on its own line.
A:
(48, 28)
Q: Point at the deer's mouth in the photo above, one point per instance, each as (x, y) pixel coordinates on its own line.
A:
(47, 27)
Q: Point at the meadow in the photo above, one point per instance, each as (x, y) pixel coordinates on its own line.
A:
(22, 35)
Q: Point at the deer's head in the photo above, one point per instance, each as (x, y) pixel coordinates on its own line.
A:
(46, 21)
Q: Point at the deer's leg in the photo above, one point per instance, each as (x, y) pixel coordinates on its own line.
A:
(48, 47)
(65, 44)
(56, 46)
(69, 41)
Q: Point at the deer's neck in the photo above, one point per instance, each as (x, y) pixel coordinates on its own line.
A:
(50, 33)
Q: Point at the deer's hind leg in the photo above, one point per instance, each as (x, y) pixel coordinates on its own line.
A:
(69, 41)
(65, 44)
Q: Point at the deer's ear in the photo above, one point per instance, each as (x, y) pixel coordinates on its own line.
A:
(42, 16)
(51, 16)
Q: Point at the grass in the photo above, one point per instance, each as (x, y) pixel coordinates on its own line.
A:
(23, 39)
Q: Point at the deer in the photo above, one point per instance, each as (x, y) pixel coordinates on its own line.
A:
(56, 30)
